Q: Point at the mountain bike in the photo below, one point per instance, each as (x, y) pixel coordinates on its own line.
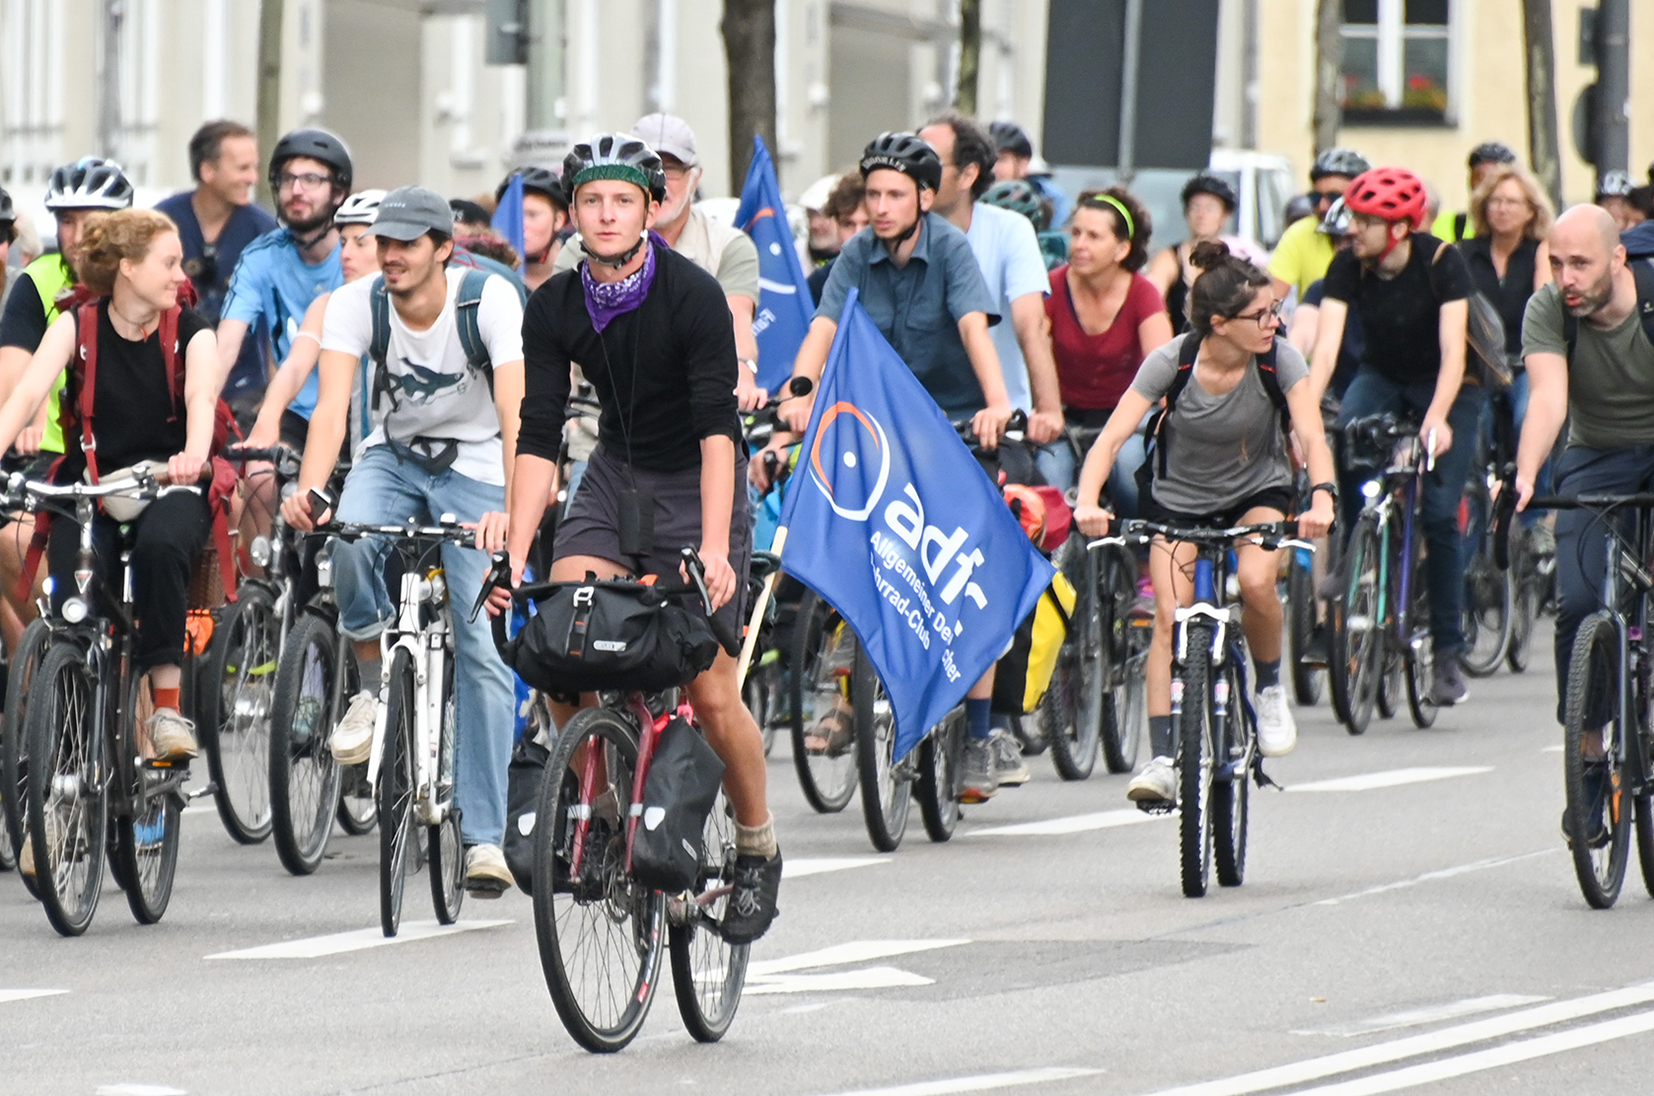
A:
(86, 750)
(598, 926)
(1217, 755)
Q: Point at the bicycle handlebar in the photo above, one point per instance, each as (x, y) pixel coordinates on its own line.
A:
(280, 455)
(141, 486)
(1272, 535)
(1506, 511)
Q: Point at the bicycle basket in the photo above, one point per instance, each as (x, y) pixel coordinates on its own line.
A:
(599, 636)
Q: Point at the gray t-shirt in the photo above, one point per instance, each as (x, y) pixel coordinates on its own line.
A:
(1610, 381)
(1222, 449)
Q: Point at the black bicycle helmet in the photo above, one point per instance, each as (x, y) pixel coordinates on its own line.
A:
(1491, 152)
(89, 183)
(7, 214)
(316, 144)
(1012, 138)
(906, 153)
(1338, 161)
(1207, 183)
(613, 156)
(536, 180)
(1018, 196)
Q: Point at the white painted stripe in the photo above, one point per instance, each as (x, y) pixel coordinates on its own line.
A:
(1493, 1058)
(838, 980)
(798, 869)
(857, 951)
(1433, 1014)
(315, 947)
(981, 1082)
(1078, 823)
(1430, 876)
(1330, 1065)
(1551, 749)
(1389, 779)
(28, 994)
(130, 1089)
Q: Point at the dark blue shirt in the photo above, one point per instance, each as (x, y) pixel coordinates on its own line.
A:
(918, 307)
(211, 272)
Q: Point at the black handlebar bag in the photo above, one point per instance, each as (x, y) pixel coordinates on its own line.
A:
(602, 636)
(678, 795)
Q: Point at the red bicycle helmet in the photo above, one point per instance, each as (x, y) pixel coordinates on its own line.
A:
(1393, 194)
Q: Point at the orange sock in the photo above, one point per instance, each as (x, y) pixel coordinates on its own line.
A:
(166, 698)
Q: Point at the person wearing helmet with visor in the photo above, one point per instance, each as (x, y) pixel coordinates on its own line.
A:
(1303, 253)
(651, 330)
(1411, 291)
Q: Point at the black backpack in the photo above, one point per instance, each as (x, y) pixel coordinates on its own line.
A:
(1642, 269)
(1154, 437)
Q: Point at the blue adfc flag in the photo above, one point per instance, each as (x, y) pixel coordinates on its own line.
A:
(896, 525)
(784, 308)
(508, 216)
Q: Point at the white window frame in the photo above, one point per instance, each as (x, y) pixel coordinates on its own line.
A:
(1392, 33)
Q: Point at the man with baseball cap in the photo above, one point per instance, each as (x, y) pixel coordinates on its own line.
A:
(444, 410)
(723, 251)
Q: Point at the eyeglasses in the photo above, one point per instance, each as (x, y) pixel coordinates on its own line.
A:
(1269, 317)
(310, 180)
(1325, 197)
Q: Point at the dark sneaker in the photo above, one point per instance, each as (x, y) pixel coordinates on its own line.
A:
(1597, 785)
(752, 903)
(1318, 649)
(1447, 686)
(979, 775)
(1010, 769)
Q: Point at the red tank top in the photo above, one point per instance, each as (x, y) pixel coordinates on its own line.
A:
(1094, 371)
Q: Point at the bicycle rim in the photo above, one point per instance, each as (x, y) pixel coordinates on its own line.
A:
(304, 778)
(14, 753)
(1357, 632)
(396, 795)
(940, 756)
(826, 773)
(237, 728)
(1489, 610)
(1194, 766)
(67, 790)
(886, 790)
(445, 849)
(1598, 815)
(1231, 797)
(599, 933)
(1076, 721)
(708, 973)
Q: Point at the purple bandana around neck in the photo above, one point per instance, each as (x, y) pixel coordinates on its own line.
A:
(607, 300)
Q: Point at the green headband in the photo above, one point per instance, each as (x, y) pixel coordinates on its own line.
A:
(1120, 208)
(625, 173)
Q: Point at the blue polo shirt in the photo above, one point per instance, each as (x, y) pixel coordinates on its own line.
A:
(918, 307)
(274, 284)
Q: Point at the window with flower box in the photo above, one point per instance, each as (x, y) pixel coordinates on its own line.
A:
(1395, 62)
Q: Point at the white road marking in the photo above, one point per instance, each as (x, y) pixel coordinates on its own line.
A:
(130, 1089)
(1430, 876)
(27, 994)
(1330, 1065)
(1493, 1058)
(1389, 779)
(835, 981)
(1550, 749)
(315, 947)
(981, 1082)
(798, 869)
(1078, 823)
(856, 951)
(1417, 1017)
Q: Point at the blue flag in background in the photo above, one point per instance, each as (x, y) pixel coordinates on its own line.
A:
(784, 308)
(892, 520)
(508, 216)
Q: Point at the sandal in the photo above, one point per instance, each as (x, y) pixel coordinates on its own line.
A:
(833, 734)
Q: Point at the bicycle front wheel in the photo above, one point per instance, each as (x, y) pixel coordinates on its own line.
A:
(240, 674)
(1073, 709)
(940, 756)
(825, 762)
(1419, 654)
(1355, 629)
(1300, 622)
(146, 840)
(1524, 603)
(398, 853)
(304, 778)
(1232, 786)
(1489, 608)
(599, 929)
(444, 848)
(886, 786)
(67, 794)
(14, 752)
(708, 973)
(1194, 764)
(1595, 776)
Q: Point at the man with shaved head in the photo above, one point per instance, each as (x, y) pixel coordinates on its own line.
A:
(1590, 362)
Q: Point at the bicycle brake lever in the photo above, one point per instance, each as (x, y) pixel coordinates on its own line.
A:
(697, 574)
(499, 575)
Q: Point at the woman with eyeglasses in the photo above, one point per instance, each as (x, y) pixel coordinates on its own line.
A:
(1222, 460)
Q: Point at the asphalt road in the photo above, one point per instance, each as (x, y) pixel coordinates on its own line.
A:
(1415, 925)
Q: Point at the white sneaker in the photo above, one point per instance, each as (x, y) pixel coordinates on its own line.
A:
(172, 736)
(1012, 769)
(1277, 731)
(1156, 783)
(352, 739)
(486, 873)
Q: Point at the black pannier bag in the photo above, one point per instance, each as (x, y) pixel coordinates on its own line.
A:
(599, 636)
(522, 800)
(684, 777)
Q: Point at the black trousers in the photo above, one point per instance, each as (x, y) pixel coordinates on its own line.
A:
(165, 541)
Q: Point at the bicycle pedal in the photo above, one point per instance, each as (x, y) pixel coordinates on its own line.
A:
(1156, 806)
(202, 792)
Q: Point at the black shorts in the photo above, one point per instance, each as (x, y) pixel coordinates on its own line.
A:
(592, 525)
(1276, 498)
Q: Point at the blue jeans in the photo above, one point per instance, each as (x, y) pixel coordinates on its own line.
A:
(1057, 465)
(1371, 394)
(379, 490)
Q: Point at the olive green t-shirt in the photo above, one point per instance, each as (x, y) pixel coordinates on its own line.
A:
(1611, 377)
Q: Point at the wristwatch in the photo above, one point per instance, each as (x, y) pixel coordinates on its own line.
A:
(1330, 488)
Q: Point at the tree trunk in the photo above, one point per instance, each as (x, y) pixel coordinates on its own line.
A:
(970, 55)
(1539, 44)
(749, 49)
(1328, 45)
(269, 86)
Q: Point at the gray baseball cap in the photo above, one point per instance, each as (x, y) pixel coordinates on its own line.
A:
(668, 135)
(409, 212)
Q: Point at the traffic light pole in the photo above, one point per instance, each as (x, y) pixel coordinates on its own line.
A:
(545, 63)
(1613, 99)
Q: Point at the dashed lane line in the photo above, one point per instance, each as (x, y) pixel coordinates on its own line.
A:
(1432, 876)
(798, 869)
(28, 994)
(316, 947)
(1078, 823)
(1390, 778)
(981, 1082)
(1431, 1014)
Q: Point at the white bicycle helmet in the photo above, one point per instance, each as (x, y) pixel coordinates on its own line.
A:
(360, 208)
(89, 183)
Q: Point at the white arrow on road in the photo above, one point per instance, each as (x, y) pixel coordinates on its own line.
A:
(778, 975)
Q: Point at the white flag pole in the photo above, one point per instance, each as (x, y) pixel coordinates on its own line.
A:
(760, 607)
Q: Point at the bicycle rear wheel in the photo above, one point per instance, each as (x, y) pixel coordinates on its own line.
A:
(886, 784)
(67, 792)
(358, 811)
(1232, 786)
(1489, 607)
(240, 671)
(1355, 630)
(1525, 602)
(146, 843)
(1643, 817)
(1072, 712)
(708, 973)
(1300, 607)
(1418, 657)
(304, 778)
(940, 756)
(445, 849)
(826, 769)
(398, 857)
(1598, 815)
(599, 931)
(1194, 763)
(14, 753)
